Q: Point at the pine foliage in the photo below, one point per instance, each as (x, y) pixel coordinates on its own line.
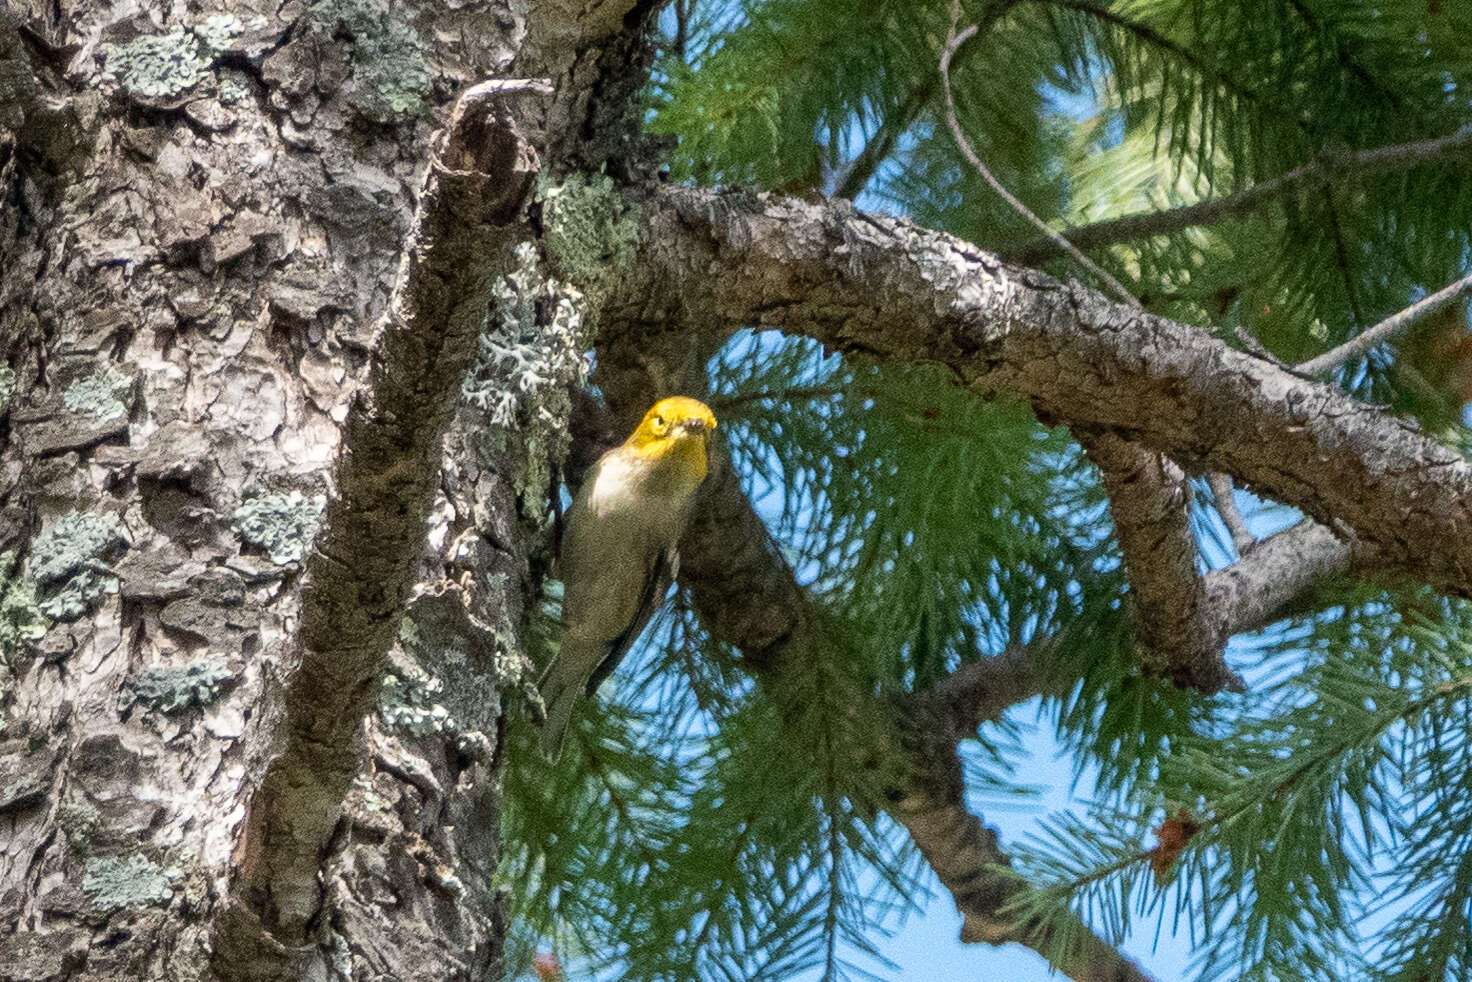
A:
(703, 826)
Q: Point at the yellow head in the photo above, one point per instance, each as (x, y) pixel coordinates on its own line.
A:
(673, 420)
(675, 430)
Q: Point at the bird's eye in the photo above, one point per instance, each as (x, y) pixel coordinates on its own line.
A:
(659, 421)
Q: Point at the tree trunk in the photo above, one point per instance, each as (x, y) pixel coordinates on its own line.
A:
(234, 310)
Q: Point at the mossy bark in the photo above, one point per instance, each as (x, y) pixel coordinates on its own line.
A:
(205, 305)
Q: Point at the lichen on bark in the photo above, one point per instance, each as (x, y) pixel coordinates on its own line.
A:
(591, 234)
(170, 690)
(102, 395)
(529, 359)
(390, 74)
(283, 524)
(70, 563)
(113, 882)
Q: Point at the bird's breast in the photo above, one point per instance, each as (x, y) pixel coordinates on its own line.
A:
(632, 495)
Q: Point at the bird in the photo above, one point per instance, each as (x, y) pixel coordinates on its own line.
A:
(618, 550)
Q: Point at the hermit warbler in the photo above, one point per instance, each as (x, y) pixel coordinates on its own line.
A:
(618, 550)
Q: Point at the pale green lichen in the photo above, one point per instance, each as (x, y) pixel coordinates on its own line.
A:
(589, 232)
(527, 366)
(391, 80)
(103, 395)
(282, 524)
(409, 698)
(7, 386)
(161, 66)
(465, 655)
(216, 31)
(70, 563)
(169, 690)
(113, 882)
(21, 618)
(157, 65)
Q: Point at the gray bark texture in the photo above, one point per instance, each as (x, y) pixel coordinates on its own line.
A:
(884, 287)
(265, 572)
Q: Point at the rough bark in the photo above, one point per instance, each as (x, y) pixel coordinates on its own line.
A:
(1280, 575)
(224, 320)
(470, 215)
(217, 310)
(882, 287)
(1149, 499)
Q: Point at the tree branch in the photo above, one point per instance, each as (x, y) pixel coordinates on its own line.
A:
(1279, 576)
(1277, 579)
(357, 579)
(966, 858)
(1149, 498)
(747, 596)
(981, 691)
(1387, 330)
(1148, 493)
(881, 144)
(1143, 225)
(1224, 495)
(883, 287)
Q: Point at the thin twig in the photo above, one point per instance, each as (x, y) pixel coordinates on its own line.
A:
(880, 145)
(1387, 330)
(1129, 228)
(954, 41)
(793, 394)
(1226, 506)
(683, 11)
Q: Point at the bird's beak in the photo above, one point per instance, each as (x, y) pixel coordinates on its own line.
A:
(693, 424)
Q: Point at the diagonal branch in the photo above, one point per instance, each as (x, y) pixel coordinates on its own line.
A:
(747, 596)
(1278, 579)
(1148, 493)
(967, 859)
(1149, 498)
(883, 287)
(470, 214)
(882, 143)
(1281, 574)
(1362, 163)
(1225, 498)
(1389, 329)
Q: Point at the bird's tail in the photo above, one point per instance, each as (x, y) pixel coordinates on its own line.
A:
(560, 699)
